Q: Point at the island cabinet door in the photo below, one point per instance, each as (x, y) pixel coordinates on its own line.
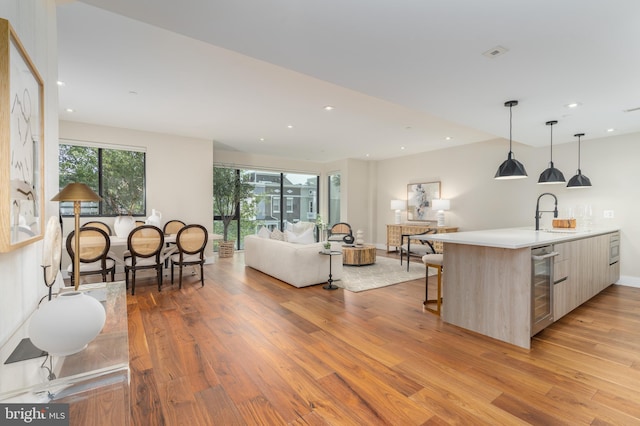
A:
(565, 285)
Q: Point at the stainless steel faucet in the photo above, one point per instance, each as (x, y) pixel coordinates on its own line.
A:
(539, 212)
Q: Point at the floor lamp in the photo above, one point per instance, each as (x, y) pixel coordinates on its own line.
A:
(76, 192)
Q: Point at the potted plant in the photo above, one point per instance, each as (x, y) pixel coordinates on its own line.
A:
(229, 189)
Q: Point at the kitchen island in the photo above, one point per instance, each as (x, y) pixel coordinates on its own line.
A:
(488, 277)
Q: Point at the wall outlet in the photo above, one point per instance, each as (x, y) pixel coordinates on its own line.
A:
(608, 214)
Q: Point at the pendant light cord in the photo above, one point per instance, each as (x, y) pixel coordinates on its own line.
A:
(510, 125)
(578, 153)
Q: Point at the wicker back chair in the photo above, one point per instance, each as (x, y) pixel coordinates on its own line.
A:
(94, 247)
(145, 244)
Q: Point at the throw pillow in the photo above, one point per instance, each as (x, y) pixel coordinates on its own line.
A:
(305, 237)
(300, 227)
(264, 232)
(276, 234)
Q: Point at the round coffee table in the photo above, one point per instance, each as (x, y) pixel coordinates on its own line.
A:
(359, 255)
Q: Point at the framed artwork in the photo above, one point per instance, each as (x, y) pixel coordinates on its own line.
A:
(21, 144)
(419, 198)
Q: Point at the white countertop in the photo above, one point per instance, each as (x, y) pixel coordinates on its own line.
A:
(515, 238)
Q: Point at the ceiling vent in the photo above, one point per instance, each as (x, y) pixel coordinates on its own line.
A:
(495, 52)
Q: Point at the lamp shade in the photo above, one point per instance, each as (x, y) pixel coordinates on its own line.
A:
(76, 192)
(441, 204)
(398, 204)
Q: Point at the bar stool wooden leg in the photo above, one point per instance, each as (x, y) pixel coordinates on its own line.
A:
(433, 261)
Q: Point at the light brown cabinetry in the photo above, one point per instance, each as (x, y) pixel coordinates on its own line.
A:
(581, 270)
(395, 232)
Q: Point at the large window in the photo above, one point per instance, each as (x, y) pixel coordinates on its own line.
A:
(279, 198)
(117, 175)
(334, 198)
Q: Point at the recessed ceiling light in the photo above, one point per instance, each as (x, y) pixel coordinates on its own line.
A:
(61, 83)
(290, 126)
(69, 109)
(366, 155)
(402, 147)
(573, 105)
(261, 139)
(328, 108)
(448, 138)
(133, 92)
(611, 130)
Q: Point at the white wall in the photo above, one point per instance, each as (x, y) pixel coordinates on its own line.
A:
(179, 172)
(21, 276)
(480, 202)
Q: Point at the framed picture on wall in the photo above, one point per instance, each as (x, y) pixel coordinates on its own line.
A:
(21, 144)
(419, 200)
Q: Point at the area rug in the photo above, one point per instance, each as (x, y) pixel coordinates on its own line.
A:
(384, 272)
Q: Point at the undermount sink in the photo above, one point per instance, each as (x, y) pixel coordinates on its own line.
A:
(565, 231)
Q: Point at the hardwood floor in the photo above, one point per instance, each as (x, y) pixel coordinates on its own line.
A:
(247, 349)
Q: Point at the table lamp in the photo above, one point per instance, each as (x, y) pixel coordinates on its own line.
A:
(76, 192)
(441, 205)
(397, 205)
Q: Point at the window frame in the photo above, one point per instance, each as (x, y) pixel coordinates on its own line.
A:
(101, 147)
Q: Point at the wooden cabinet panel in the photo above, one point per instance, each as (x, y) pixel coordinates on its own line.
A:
(581, 271)
(395, 232)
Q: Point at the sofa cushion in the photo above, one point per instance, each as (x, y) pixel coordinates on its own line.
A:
(276, 234)
(305, 237)
(264, 232)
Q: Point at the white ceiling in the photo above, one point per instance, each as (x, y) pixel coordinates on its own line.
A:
(400, 73)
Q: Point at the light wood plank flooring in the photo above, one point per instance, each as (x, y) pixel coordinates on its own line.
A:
(246, 349)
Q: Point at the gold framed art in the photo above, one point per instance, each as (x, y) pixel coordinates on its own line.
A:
(21, 144)
(419, 199)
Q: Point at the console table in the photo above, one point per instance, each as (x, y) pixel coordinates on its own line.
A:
(94, 382)
(395, 232)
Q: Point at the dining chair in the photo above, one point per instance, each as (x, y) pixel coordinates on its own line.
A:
(341, 232)
(97, 224)
(191, 241)
(139, 223)
(170, 228)
(418, 248)
(145, 245)
(94, 247)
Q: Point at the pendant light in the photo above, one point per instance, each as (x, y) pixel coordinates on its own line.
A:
(551, 174)
(510, 168)
(579, 180)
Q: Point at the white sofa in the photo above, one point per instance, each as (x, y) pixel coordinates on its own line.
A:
(300, 265)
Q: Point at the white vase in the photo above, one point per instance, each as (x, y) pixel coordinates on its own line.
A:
(359, 238)
(155, 218)
(123, 225)
(66, 324)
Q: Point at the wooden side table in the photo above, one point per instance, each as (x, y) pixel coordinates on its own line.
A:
(359, 255)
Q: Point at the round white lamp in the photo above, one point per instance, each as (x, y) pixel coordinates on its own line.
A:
(441, 205)
(398, 206)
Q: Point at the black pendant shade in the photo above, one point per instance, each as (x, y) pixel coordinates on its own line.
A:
(510, 168)
(551, 175)
(579, 180)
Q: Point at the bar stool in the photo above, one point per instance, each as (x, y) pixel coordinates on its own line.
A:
(434, 261)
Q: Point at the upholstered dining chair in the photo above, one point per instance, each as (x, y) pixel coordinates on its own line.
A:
(94, 246)
(191, 241)
(419, 248)
(97, 224)
(341, 231)
(145, 245)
